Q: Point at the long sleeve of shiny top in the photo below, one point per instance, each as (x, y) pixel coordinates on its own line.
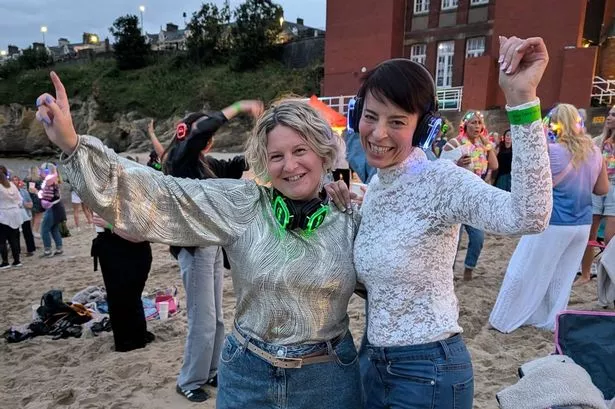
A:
(407, 241)
(158, 208)
(290, 288)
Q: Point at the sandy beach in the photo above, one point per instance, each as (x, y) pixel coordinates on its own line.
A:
(86, 373)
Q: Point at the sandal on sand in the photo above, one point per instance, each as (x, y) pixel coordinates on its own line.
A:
(194, 395)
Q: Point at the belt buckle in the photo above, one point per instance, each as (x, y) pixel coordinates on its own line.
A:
(298, 361)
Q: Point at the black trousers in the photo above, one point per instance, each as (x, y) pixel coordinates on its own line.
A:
(12, 236)
(125, 267)
(26, 229)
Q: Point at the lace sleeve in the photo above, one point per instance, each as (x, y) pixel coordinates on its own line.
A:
(154, 207)
(526, 209)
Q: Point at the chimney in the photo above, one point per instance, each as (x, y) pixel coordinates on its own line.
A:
(62, 42)
(299, 21)
(171, 27)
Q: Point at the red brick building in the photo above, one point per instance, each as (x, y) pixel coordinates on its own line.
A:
(458, 42)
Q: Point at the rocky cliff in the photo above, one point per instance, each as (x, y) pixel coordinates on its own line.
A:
(22, 135)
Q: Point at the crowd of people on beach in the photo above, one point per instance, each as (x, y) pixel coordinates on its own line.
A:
(299, 242)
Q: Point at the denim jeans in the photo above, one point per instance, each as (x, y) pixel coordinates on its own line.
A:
(247, 381)
(475, 246)
(437, 375)
(50, 228)
(203, 277)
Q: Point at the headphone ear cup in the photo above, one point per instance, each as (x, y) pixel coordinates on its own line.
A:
(427, 130)
(355, 114)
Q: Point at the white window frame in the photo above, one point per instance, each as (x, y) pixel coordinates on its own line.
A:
(421, 6)
(444, 64)
(478, 2)
(418, 53)
(475, 46)
(449, 4)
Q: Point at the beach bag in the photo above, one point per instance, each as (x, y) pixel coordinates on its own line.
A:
(588, 337)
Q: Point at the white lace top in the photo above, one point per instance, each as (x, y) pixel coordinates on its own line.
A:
(406, 244)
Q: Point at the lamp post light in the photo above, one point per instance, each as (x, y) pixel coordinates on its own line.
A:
(43, 30)
(142, 10)
(281, 21)
(3, 53)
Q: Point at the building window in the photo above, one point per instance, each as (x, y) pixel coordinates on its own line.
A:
(477, 2)
(418, 53)
(421, 6)
(449, 4)
(475, 47)
(444, 68)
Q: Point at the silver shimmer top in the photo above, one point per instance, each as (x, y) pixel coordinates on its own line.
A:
(290, 289)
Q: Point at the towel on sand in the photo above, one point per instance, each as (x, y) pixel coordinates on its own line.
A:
(552, 381)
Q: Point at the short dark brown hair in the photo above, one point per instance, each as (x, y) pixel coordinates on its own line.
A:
(403, 82)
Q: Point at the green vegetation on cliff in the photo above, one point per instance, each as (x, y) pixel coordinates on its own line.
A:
(172, 86)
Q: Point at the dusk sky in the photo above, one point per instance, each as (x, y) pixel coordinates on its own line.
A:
(21, 20)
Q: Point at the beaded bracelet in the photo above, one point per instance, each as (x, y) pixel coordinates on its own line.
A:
(525, 116)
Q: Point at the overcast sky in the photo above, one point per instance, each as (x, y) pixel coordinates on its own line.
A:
(21, 20)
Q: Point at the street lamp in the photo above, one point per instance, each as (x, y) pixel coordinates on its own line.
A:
(93, 39)
(3, 53)
(281, 21)
(43, 30)
(142, 10)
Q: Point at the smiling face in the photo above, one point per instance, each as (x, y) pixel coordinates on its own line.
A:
(294, 168)
(386, 132)
(507, 138)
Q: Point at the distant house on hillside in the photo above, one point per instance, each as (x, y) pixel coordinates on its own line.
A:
(90, 44)
(173, 38)
(297, 31)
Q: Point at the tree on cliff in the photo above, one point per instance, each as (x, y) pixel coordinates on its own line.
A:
(131, 50)
(255, 33)
(208, 42)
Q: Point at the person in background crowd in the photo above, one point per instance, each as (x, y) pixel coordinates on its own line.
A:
(502, 175)
(33, 183)
(10, 219)
(26, 226)
(542, 269)
(54, 215)
(603, 207)
(478, 156)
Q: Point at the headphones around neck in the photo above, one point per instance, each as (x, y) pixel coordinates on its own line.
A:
(307, 215)
(428, 126)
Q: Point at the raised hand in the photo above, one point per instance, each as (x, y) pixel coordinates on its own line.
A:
(252, 107)
(54, 113)
(522, 64)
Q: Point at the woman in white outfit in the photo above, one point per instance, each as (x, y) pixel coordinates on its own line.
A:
(543, 267)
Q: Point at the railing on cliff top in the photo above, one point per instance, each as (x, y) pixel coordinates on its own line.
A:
(603, 90)
(449, 99)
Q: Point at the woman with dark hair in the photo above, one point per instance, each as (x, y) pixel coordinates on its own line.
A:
(202, 268)
(502, 177)
(10, 219)
(411, 215)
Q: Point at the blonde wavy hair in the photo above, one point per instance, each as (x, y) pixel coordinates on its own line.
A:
(300, 117)
(570, 132)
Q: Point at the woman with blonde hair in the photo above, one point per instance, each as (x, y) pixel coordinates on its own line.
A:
(55, 213)
(542, 269)
(290, 250)
(602, 206)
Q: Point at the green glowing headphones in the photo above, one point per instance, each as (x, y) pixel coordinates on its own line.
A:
(307, 215)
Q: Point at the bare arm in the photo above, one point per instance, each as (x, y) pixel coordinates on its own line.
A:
(602, 184)
(155, 142)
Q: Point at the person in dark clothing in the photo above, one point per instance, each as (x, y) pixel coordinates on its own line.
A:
(202, 267)
(125, 262)
(503, 178)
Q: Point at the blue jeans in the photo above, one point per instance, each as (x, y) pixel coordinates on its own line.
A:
(437, 375)
(49, 229)
(247, 381)
(475, 246)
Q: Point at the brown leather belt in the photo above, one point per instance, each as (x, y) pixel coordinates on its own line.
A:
(286, 363)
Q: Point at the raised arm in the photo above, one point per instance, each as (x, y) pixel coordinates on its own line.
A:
(527, 208)
(154, 139)
(141, 201)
